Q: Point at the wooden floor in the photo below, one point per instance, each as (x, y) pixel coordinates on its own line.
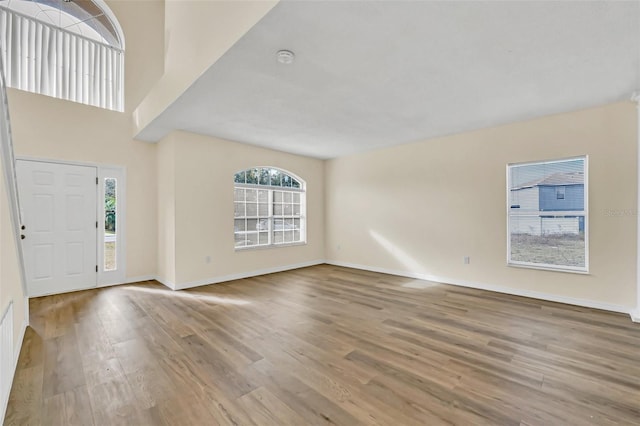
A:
(322, 345)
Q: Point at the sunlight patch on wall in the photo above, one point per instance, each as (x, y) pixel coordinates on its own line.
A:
(409, 262)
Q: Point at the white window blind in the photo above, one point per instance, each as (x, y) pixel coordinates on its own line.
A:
(44, 59)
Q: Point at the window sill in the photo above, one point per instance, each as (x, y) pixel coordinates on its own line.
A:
(549, 268)
(271, 246)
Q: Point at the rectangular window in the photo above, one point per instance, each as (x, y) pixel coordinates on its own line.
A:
(110, 221)
(547, 205)
(265, 217)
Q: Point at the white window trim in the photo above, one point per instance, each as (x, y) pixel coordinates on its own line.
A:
(118, 275)
(543, 266)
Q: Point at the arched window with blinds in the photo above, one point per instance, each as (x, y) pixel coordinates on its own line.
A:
(65, 49)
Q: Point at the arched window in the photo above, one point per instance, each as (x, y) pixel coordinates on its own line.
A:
(270, 208)
(71, 50)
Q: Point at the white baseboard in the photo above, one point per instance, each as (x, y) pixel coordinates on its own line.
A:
(241, 275)
(140, 279)
(166, 283)
(490, 287)
(635, 315)
(16, 357)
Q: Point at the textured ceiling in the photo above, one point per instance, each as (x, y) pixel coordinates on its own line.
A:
(369, 74)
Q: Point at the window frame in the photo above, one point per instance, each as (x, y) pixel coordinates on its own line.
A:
(271, 217)
(585, 213)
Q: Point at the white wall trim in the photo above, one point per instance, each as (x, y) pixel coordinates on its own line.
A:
(131, 280)
(490, 287)
(16, 357)
(241, 275)
(166, 283)
(635, 315)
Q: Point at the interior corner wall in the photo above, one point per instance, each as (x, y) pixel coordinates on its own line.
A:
(10, 277)
(420, 208)
(50, 128)
(204, 170)
(166, 211)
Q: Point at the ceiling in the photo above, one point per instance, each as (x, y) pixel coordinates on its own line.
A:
(370, 74)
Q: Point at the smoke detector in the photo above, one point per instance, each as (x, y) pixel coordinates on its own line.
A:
(285, 56)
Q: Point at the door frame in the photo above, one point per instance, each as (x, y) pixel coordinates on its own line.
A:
(118, 276)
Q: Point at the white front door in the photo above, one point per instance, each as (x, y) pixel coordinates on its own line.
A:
(59, 205)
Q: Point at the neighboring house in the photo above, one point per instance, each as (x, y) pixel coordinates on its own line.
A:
(544, 204)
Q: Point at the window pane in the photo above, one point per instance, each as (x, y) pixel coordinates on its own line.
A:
(110, 221)
(296, 236)
(239, 225)
(295, 183)
(252, 195)
(239, 209)
(264, 238)
(296, 197)
(263, 196)
(296, 209)
(276, 177)
(286, 180)
(252, 239)
(547, 221)
(252, 176)
(288, 236)
(277, 196)
(252, 209)
(262, 225)
(265, 177)
(238, 194)
(252, 224)
(287, 197)
(277, 210)
(296, 224)
(263, 210)
(241, 240)
(278, 237)
(239, 177)
(278, 224)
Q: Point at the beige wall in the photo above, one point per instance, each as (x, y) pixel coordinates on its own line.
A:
(204, 169)
(197, 34)
(420, 208)
(45, 127)
(10, 279)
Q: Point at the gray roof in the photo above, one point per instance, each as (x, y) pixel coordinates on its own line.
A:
(556, 179)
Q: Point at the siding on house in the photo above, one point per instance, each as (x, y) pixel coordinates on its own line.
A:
(526, 198)
(573, 198)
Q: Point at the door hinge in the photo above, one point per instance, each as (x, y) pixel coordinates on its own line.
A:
(96, 224)
(96, 180)
(96, 268)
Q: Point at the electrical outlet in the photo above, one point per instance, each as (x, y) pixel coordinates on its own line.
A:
(467, 260)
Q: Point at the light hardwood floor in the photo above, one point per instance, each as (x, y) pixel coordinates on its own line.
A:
(322, 345)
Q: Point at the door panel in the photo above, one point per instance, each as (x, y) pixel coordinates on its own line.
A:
(59, 211)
